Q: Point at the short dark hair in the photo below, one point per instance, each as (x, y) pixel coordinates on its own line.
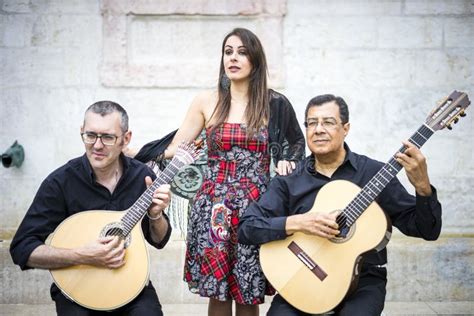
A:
(324, 98)
(106, 107)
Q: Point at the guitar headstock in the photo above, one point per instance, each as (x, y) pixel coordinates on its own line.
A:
(449, 111)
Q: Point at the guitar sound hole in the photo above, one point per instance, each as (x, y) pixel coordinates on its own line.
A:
(343, 232)
(115, 231)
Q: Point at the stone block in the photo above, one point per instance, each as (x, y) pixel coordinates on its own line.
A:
(27, 310)
(199, 7)
(14, 205)
(132, 60)
(368, 68)
(436, 7)
(65, 7)
(313, 32)
(30, 287)
(430, 271)
(15, 30)
(417, 270)
(154, 113)
(409, 32)
(455, 195)
(404, 110)
(434, 68)
(343, 8)
(114, 46)
(66, 31)
(459, 32)
(16, 6)
(48, 66)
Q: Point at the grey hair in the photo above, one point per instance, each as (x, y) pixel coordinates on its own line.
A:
(107, 107)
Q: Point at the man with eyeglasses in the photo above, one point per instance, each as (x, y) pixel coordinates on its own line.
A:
(283, 209)
(102, 179)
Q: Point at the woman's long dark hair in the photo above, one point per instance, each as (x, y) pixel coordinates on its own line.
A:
(258, 109)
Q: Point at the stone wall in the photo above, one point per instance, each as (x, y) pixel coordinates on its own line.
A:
(391, 61)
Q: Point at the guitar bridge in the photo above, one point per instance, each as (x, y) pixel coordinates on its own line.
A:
(307, 261)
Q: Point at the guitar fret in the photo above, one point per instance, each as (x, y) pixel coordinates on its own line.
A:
(372, 189)
(382, 176)
(352, 214)
(377, 184)
(389, 169)
(366, 201)
(421, 134)
(357, 203)
(140, 207)
(396, 167)
(415, 143)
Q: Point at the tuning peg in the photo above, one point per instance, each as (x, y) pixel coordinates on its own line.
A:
(456, 119)
(449, 126)
(462, 113)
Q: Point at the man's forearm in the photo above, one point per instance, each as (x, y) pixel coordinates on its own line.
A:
(46, 257)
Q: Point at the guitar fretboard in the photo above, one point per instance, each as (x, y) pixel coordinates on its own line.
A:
(372, 189)
(140, 207)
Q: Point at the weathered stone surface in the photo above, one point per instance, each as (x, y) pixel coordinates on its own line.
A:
(343, 8)
(65, 7)
(313, 32)
(438, 7)
(61, 31)
(397, 32)
(142, 50)
(16, 6)
(421, 270)
(417, 271)
(436, 67)
(459, 32)
(15, 30)
(198, 7)
(390, 60)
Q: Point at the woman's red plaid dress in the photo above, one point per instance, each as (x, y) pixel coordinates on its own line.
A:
(217, 266)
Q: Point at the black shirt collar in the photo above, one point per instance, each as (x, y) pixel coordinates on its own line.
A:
(349, 158)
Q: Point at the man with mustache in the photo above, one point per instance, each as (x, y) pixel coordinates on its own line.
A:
(283, 209)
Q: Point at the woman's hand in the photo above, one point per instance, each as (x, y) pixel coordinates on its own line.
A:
(285, 167)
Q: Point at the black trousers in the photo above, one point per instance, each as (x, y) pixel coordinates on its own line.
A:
(368, 299)
(146, 303)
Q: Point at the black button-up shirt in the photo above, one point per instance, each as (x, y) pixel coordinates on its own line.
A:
(72, 188)
(265, 220)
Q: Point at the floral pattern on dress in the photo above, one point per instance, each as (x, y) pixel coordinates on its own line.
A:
(216, 264)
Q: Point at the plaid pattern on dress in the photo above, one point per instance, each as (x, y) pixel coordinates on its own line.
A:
(216, 264)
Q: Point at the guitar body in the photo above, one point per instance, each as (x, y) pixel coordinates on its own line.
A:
(94, 287)
(336, 259)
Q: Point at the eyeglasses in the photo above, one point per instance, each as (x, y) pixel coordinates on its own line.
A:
(327, 124)
(106, 139)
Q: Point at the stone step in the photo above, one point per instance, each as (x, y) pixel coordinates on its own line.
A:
(417, 271)
(391, 308)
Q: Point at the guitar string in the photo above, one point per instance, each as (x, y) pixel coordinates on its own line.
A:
(360, 202)
(185, 154)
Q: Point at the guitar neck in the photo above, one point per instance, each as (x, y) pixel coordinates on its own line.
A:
(372, 189)
(140, 207)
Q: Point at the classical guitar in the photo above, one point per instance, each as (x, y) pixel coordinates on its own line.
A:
(107, 289)
(314, 274)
